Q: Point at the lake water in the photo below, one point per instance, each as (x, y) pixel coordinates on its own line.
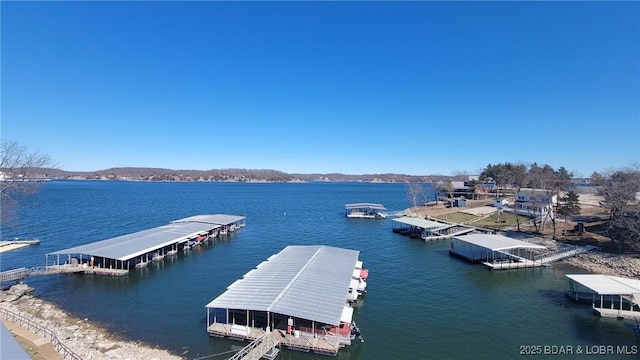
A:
(421, 302)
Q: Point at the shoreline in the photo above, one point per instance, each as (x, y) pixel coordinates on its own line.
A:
(86, 339)
(599, 262)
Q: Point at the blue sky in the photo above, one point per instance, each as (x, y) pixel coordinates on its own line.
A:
(352, 87)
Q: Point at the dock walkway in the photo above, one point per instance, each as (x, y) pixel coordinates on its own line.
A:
(565, 252)
(20, 274)
(259, 347)
(14, 275)
(321, 344)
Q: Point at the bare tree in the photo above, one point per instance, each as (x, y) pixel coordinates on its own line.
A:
(444, 188)
(415, 192)
(620, 191)
(20, 171)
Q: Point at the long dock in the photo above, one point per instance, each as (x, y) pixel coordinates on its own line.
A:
(115, 256)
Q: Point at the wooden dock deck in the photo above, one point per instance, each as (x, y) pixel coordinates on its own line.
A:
(512, 265)
(326, 344)
(259, 347)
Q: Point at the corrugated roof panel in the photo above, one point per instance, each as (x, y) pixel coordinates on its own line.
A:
(131, 245)
(365, 206)
(608, 285)
(309, 282)
(216, 219)
(497, 242)
(421, 223)
(128, 246)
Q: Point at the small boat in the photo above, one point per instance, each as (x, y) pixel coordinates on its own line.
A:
(271, 354)
(142, 263)
(352, 297)
(201, 239)
(358, 285)
(355, 332)
(366, 211)
(157, 257)
(189, 244)
(360, 274)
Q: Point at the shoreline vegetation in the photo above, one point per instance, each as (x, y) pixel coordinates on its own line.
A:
(91, 341)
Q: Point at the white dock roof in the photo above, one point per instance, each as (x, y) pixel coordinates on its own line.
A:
(365, 206)
(421, 223)
(219, 219)
(309, 282)
(608, 285)
(497, 242)
(129, 246)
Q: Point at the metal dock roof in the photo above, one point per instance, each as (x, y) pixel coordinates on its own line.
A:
(497, 242)
(421, 223)
(608, 285)
(309, 282)
(219, 219)
(365, 206)
(129, 246)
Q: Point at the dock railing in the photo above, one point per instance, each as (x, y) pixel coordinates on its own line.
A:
(563, 252)
(38, 329)
(258, 347)
(13, 275)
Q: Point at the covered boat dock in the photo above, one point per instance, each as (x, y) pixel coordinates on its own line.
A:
(495, 251)
(366, 211)
(301, 293)
(611, 296)
(415, 227)
(116, 255)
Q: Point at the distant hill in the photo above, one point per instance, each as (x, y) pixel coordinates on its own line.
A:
(242, 175)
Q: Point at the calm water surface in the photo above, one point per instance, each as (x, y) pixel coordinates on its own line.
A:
(421, 303)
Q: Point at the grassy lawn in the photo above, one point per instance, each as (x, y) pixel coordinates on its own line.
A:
(499, 220)
(457, 217)
(495, 221)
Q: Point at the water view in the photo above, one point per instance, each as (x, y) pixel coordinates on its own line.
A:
(421, 303)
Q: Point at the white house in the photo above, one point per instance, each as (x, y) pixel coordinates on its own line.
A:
(501, 203)
(535, 201)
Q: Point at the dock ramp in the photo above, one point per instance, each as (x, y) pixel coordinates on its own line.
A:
(259, 347)
(563, 253)
(14, 275)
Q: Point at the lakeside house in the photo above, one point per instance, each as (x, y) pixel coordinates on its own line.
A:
(535, 201)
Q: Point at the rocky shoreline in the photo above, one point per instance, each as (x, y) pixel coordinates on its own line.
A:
(598, 262)
(80, 336)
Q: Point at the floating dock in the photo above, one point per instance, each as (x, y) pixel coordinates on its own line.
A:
(415, 227)
(299, 293)
(611, 296)
(8, 245)
(117, 255)
(365, 211)
(497, 252)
